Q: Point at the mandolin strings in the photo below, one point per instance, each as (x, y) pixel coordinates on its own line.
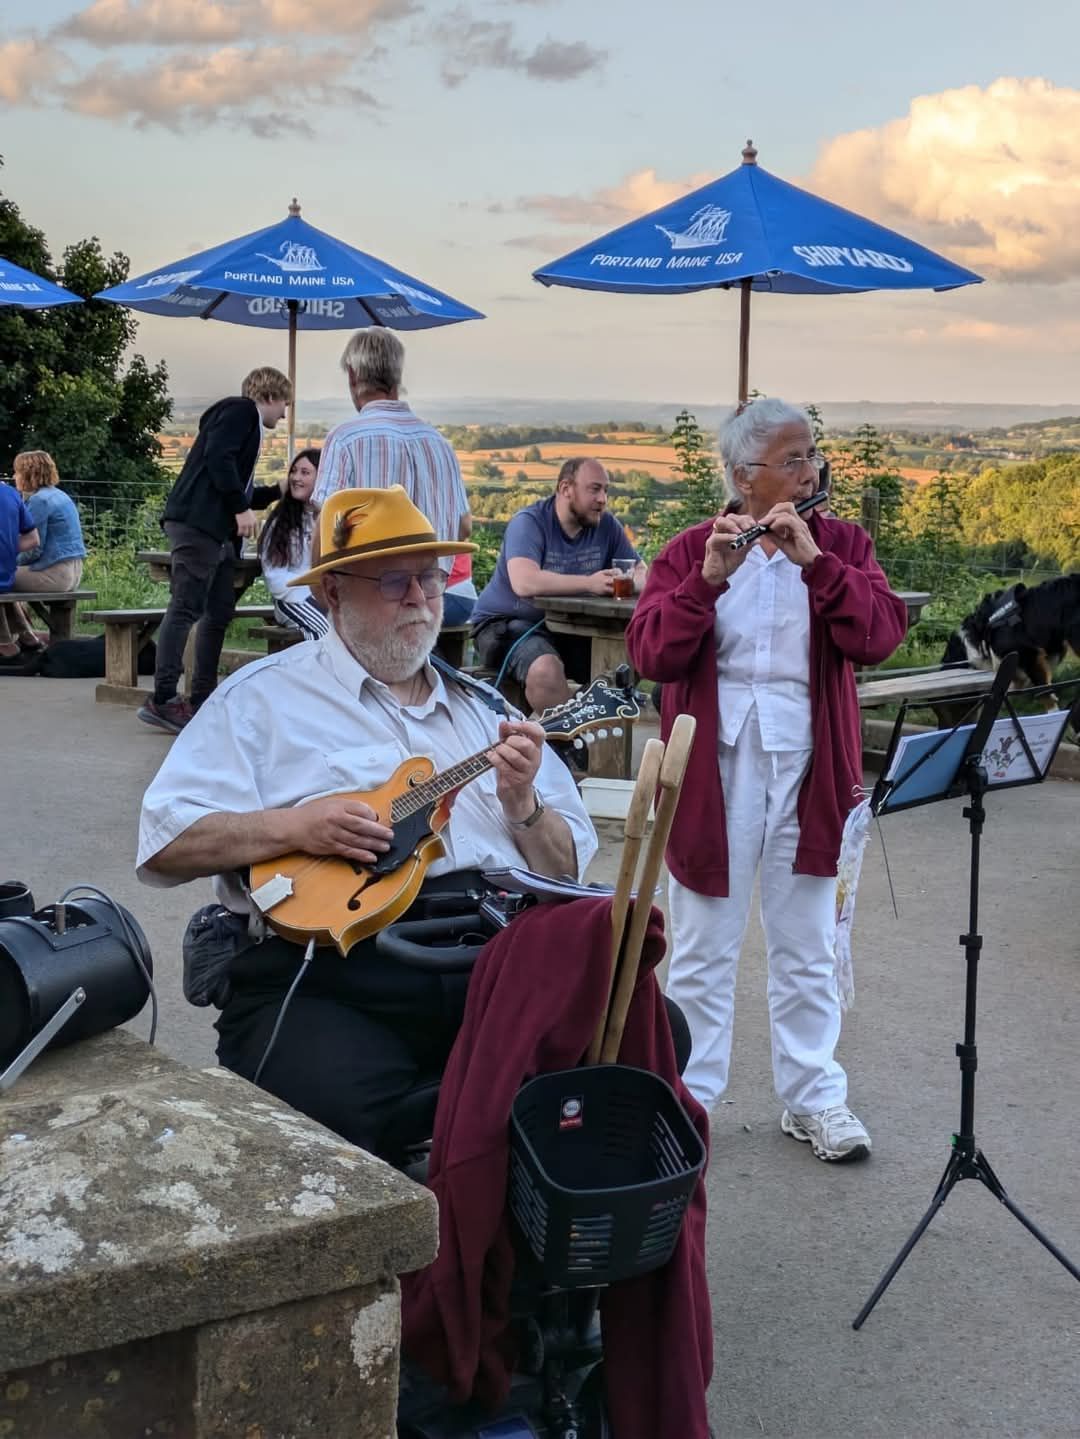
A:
(431, 790)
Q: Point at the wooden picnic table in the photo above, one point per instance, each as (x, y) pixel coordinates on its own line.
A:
(602, 620)
(916, 601)
(247, 568)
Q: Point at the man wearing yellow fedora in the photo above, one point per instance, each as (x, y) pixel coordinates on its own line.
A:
(260, 771)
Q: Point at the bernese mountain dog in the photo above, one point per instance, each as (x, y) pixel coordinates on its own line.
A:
(1041, 624)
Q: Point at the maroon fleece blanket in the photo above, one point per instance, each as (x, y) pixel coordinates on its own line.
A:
(534, 1001)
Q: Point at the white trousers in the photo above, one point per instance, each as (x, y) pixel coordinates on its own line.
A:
(798, 914)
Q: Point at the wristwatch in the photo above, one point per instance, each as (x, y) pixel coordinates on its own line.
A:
(537, 812)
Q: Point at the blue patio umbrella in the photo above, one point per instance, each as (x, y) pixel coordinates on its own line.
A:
(752, 230)
(26, 291)
(291, 277)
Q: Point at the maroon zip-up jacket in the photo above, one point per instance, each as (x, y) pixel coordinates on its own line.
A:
(855, 619)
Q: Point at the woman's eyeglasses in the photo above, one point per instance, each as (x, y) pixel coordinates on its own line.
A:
(790, 467)
(394, 584)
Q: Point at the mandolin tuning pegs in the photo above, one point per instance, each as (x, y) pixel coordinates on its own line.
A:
(601, 734)
(590, 738)
(617, 732)
(579, 743)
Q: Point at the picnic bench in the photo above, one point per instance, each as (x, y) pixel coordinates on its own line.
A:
(56, 609)
(275, 637)
(938, 690)
(126, 632)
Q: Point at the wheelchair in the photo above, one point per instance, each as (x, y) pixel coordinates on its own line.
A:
(557, 1390)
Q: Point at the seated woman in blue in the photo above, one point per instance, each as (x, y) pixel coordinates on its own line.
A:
(285, 549)
(57, 564)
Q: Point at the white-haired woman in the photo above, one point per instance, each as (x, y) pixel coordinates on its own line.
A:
(759, 644)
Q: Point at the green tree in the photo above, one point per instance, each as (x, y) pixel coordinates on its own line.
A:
(861, 466)
(63, 386)
(698, 480)
(1037, 503)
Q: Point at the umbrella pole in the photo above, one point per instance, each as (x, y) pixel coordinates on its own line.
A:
(293, 307)
(744, 340)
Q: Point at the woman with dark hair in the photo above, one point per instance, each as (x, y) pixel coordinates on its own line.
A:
(285, 549)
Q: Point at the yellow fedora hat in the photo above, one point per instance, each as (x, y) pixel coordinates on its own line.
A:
(370, 525)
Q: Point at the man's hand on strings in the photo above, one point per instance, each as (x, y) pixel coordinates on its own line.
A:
(516, 760)
(336, 825)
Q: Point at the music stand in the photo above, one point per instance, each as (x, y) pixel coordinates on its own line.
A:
(970, 758)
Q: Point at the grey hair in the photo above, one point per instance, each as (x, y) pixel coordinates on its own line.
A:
(745, 434)
(374, 359)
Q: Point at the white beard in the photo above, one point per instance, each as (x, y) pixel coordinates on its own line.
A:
(397, 654)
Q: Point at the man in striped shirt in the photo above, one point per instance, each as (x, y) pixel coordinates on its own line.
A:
(386, 444)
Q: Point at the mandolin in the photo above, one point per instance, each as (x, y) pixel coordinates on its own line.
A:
(340, 901)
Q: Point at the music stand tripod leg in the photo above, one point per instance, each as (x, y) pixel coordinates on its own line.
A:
(984, 1172)
(948, 1179)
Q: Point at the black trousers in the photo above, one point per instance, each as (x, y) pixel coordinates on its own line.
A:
(202, 588)
(359, 1033)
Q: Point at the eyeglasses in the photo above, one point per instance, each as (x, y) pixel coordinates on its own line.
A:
(790, 467)
(394, 584)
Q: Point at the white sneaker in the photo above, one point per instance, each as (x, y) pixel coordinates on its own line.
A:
(834, 1133)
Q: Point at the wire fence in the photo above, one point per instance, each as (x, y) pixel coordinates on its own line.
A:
(132, 523)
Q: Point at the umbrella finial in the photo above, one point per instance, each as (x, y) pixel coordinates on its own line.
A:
(294, 208)
(749, 154)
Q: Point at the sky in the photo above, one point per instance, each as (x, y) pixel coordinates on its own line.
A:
(467, 143)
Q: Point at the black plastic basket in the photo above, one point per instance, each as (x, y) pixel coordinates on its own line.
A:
(603, 1161)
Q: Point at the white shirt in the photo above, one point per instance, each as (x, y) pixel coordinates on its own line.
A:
(762, 630)
(277, 577)
(310, 721)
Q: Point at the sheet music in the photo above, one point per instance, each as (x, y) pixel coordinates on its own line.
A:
(1003, 756)
(525, 881)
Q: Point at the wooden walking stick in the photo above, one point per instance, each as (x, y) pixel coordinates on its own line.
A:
(672, 772)
(637, 822)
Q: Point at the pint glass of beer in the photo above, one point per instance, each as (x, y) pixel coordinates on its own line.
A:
(623, 588)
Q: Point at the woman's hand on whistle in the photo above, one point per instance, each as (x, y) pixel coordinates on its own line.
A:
(791, 534)
(721, 561)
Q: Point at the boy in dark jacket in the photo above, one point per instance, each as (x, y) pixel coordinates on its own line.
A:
(208, 514)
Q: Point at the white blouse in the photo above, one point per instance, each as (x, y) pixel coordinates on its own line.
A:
(762, 631)
(277, 577)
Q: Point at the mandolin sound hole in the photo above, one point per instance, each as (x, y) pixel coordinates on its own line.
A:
(355, 901)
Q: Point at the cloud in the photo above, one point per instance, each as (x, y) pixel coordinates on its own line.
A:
(987, 175)
(29, 68)
(108, 23)
(529, 242)
(230, 84)
(636, 194)
(469, 44)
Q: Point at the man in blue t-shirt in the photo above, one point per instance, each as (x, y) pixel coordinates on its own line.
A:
(17, 534)
(564, 545)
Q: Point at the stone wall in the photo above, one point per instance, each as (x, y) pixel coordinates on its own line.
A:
(181, 1254)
